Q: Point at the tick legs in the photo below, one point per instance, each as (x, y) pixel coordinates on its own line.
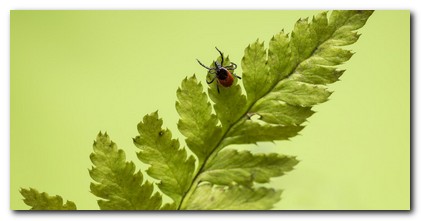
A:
(205, 65)
(222, 56)
(210, 82)
(231, 67)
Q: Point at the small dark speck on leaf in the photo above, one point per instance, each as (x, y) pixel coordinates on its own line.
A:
(161, 133)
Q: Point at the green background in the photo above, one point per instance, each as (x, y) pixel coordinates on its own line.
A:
(74, 73)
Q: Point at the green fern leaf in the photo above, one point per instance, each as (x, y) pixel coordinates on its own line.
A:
(43, 201)
(197, 122)
(235, 197)
(229, 103)
(234, 167)
(297, 93)
(169, 163)
(277, 112)
(116, 180)
(279, 58)
(250, 132)
(256, 78)
(282, 83)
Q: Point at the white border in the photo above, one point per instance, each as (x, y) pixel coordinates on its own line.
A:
(207, 4)
(7, 5)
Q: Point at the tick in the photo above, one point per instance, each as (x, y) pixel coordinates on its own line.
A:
(222, 73)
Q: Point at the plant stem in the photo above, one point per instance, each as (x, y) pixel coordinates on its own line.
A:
(202, 166)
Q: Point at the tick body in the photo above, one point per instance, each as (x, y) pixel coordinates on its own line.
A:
(221, 73)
